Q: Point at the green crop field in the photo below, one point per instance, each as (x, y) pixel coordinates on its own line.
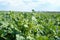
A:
(29, 25)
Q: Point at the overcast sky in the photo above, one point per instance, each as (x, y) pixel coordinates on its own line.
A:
(28, 5)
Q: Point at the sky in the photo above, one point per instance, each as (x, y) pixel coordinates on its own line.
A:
(28, 5)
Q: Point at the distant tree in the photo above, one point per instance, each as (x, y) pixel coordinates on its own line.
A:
(33, 10)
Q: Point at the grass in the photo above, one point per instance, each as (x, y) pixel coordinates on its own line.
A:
(29, 25)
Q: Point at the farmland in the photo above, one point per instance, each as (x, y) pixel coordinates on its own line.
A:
(29, 25)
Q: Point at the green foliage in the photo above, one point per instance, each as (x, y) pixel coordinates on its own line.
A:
(29, 26)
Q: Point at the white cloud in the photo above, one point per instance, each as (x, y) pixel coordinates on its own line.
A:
(27, 5)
